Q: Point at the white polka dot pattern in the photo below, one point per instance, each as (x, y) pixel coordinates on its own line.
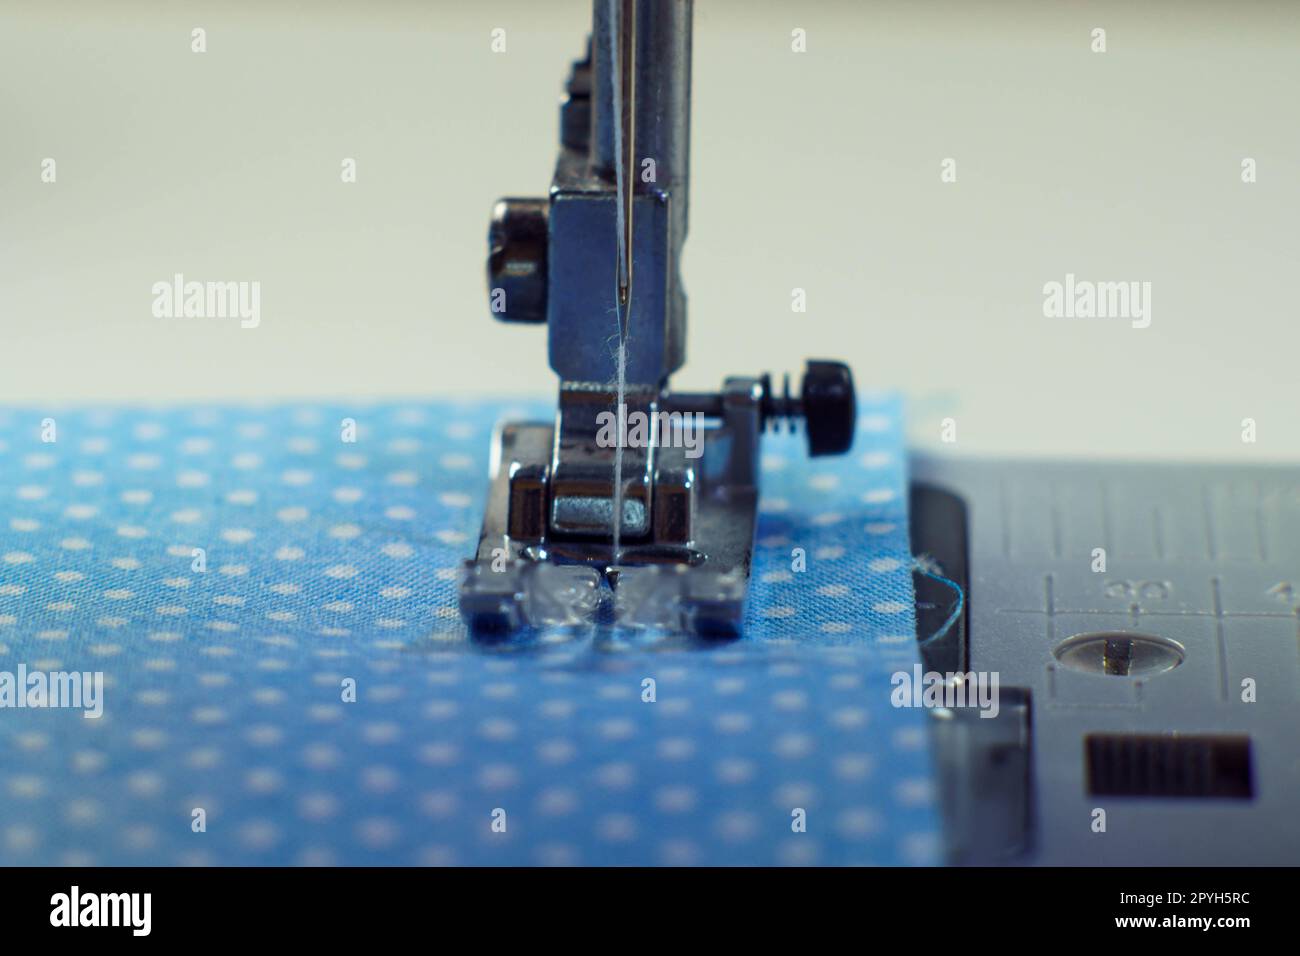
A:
(234, 571)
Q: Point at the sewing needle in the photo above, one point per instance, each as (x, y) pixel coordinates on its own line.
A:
(626, 71)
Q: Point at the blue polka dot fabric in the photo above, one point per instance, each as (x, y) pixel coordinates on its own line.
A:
(269, 594)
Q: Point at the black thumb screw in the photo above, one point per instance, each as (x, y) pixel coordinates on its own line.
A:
(830, 407)
(827, 404)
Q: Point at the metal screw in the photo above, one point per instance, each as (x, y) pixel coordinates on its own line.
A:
(827, 403)
(517, 241)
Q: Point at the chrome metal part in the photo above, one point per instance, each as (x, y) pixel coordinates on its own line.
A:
(689, 462)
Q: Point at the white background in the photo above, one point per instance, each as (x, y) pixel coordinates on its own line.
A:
(818, 171)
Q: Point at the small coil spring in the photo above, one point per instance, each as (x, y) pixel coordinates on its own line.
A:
(780, 408)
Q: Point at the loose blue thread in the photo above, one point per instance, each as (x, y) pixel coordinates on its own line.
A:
(924, 565)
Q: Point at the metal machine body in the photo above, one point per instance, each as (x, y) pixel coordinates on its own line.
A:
(1160, 688)
(635, 498)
